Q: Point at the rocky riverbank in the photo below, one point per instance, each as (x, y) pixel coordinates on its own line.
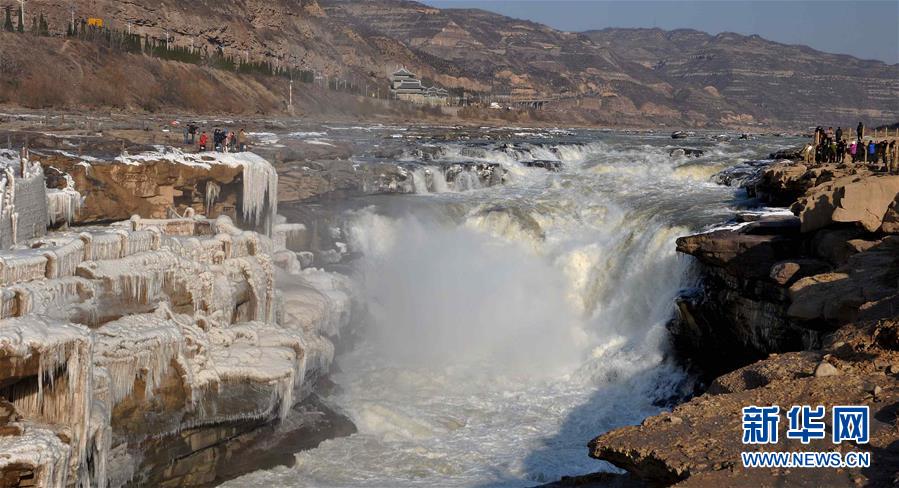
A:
(794, 309)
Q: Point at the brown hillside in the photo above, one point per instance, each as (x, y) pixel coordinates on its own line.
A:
(629, 76)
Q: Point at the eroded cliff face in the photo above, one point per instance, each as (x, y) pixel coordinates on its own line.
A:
(621, 76)
(160, 351)
(793, 310)
(164, 182)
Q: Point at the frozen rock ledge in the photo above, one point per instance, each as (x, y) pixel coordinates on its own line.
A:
(130, 353)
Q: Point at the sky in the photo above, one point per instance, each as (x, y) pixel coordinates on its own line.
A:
(865, 29)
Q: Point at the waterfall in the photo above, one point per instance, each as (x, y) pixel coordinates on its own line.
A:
(507, 327)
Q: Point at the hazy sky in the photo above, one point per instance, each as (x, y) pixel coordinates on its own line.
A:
(866, 29)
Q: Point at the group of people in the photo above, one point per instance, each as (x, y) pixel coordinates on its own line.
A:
(831, 147)
(223, 140)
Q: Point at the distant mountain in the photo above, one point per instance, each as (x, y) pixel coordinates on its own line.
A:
(612, 76)
(769, 79)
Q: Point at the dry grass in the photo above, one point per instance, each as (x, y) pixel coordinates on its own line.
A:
(54, 73)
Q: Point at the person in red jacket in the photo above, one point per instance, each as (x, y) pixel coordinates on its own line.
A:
(204, 139)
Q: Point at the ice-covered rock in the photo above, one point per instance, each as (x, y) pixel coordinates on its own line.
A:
(192, 330)
(23, 198)
(154, 183)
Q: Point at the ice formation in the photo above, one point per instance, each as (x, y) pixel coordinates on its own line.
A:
(289, 236)
(63, 204)
(137, 346)
(23, 200)
(43, 394)
(212, 194)
(260, 180)
(191, 302)
(40, 450)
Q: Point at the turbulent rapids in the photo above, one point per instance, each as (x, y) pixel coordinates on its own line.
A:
(508, 324)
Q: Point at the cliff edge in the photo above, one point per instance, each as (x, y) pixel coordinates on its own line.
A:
(792, 309)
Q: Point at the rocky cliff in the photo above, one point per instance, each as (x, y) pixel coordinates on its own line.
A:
(793, 310)
(162, 351)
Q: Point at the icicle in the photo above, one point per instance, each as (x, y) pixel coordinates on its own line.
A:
(11, 187)
(22, 266)
(141, 345)
(288, 236)
(14, 223)
(105, 246)
(212, 194)
(63, 260)
(58, 347)
(51, 298)
(259, 273)
(260, 181)
(63, 205)
(140, 241)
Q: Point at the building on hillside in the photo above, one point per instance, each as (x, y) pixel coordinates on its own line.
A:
(404, 85)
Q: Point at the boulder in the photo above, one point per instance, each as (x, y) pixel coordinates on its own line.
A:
(867, 277)
(837, 245)
(739, 252)
(826, 369)
(785, 273)
(831, 296)
(891, 219)
(781, 183)
(863, 200)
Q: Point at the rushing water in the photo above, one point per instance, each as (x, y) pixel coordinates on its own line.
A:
(510, 325)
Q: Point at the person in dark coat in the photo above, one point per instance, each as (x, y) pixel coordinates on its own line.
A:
(860, 131)
(192, 132)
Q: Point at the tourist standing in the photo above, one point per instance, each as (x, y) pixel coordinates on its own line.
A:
(192, 132)
(860, 131)
(853, 151)
(839, 134)
(872, 151)
(841, 148)
(809, 153)
(204, 140)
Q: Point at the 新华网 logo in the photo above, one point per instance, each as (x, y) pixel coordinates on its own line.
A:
(805, 424)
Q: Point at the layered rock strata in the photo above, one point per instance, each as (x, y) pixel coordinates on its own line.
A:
(160, 183)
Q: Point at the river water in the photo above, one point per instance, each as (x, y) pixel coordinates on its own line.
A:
(507, 326)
